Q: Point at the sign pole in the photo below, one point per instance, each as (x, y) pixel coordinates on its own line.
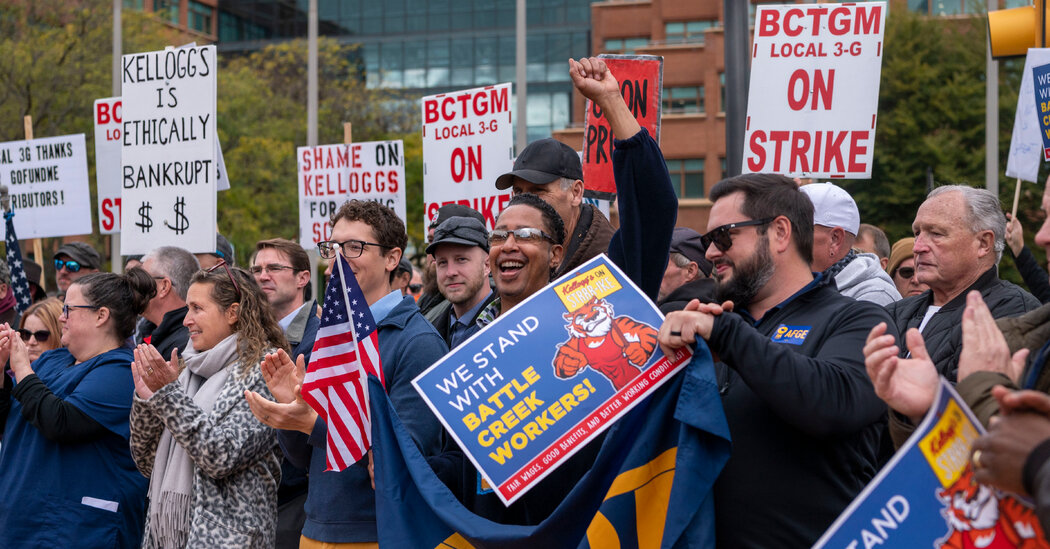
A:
(38, 245)
(1017, 196)
(116, 265)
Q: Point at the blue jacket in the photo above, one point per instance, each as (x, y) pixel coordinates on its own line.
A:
(86, 494)
(340, 507)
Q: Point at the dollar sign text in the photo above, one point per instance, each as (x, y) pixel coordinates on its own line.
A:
(145, 223)
(181, 221)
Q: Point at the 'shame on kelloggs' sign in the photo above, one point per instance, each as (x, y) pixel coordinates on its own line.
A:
(813, 100)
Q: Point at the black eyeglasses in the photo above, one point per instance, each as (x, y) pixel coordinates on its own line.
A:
(350, 248)
(222, 263)
(721, 238)
(40, 335)
(66, 308)
(525, 234)
(415, 287)
(271, 269)
(906, 272)
(71, 265)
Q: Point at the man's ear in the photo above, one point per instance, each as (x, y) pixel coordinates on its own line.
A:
(692, 271)
(393, 257)
(780, 234)
(557, 255)
(838, 239)
(302, 278)
(884, 261)
(577, 193)
(985, 243)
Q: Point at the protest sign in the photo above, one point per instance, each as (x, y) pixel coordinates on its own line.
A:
(1041, 79)
(926, 495)
(48, 182)
(107, 163)
(814, 93)
(1026, 146)
(467, 144)
(520, 397)
(329, 175)
(641, 85)
(168, 159)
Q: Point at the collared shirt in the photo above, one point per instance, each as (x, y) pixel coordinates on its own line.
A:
(385, 304)
(817, 277)
(462, 328)
(287, 321)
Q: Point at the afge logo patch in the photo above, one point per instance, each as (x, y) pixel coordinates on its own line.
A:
(793, 335)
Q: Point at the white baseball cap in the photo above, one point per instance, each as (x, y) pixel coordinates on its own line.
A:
(833, 207)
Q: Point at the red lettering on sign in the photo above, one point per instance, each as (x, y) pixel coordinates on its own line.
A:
(818, 151)
(860, 19)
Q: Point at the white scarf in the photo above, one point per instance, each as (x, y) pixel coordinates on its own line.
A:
(171, 484)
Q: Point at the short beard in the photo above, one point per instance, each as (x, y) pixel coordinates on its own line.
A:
(749, 277)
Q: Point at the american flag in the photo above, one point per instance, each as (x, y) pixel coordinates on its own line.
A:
(19, 282)
(345, 352)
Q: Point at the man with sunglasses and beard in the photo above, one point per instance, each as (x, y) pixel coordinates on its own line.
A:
(72, 261)
(805, 419)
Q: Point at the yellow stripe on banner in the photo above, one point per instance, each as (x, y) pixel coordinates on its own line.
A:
(455, 541)
(652, 486)
(629, 481)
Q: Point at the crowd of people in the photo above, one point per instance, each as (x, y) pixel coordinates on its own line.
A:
(163, 407)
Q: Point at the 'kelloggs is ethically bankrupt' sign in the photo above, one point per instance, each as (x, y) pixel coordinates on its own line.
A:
(813, 100)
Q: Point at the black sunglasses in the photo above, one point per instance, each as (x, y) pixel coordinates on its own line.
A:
(415, 287)
(222, 263)
(721, 238)
(906, 272)
(71, 265)
(40, 335)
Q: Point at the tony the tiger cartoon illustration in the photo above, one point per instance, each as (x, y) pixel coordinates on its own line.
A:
(616, 347)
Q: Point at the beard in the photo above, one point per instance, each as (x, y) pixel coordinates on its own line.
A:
(749, 276)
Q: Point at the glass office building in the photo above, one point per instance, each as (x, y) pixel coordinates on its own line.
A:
(425, 47)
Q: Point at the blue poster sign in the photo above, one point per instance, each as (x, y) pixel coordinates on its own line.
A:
(926, 495)
(533, 387)
(1041, 79)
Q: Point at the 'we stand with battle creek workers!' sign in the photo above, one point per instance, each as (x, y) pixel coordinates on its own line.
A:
(48, 182)
(168, 172)
(329, 175)
(467, 144)
(814, 92)
(532, 388)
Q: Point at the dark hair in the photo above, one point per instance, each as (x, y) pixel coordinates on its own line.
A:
(772, 195)
(257, 329)
(126, 296)
(555, 225)
(388, 227)
(296, 256)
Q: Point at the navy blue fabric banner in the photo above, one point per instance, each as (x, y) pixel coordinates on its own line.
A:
(650, 483)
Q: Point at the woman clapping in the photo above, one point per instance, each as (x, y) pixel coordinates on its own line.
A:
(213, 467)
(66, 474)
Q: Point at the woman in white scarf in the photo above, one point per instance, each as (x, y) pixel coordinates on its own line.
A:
(213, 467)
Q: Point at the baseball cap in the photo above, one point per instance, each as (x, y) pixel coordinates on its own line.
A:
(687, 242)
(543, 161)
(833, 207)
(82, 253)
(466, 231)
(404, 266)
(455, 210)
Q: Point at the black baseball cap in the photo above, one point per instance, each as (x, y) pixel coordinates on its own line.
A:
(687, 242)
(466, 231)
(455, 210)
(542, 162)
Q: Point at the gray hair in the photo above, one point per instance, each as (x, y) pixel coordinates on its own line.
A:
(983, 211)
(176, 264)
(566, 183)
(5, 274)
(680, 260)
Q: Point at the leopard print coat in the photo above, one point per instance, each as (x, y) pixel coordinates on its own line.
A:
(237, 464)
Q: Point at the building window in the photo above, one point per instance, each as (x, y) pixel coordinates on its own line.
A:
(688, 177)
(687, 31)
(167, 10)
(725, 170)
(948, 7)
(684, 100)
(133, 5)
(722, 93)
(200, 17)
(625, 45)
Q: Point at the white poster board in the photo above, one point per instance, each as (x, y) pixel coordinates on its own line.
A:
(107, 163)
(48, 182)
(814, 94)
(467, 143)
(1026, 145)
(168, 155)
(329, 175)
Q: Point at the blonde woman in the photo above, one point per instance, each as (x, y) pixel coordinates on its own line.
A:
(40, 328)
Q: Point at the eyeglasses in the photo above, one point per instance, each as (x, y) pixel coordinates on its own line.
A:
(525, 234)
(71, 265)
(721, 238)
(40, 335)
(350, 248)
(906, 272)
(222, 263)
(271, 269)
(66, 308)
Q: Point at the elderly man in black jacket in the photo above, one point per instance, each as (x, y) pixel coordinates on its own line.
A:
(172, 268)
